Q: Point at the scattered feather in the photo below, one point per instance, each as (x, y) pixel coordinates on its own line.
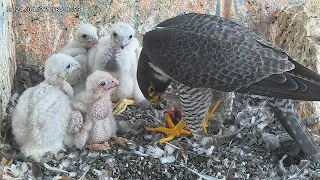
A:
(72, 174)
(84, 174)
(202, 176)
(97, 172)
(169, 149)
(140, 151)
(184, 154)
(167, 159)
(205, 140)
(303, 164)
(54, 168)
(271, 141)
(65, 163)
(155, 152)
(281, 165)
(207, 151)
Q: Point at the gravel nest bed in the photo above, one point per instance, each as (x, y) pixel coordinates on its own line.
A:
(246, 155)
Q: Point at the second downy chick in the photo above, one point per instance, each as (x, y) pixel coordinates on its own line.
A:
(99, 125)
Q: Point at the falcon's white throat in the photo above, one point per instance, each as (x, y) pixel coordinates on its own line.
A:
(162, 76)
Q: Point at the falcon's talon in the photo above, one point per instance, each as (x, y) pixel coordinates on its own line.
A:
(172, 131)
(98, 147)
(122, 105)
(210, 112)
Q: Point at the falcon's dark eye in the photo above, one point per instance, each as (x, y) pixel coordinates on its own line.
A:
(115, 34)
(151, 91)
(84, 36)
(102, 83)
(68, 66)
(130, 36)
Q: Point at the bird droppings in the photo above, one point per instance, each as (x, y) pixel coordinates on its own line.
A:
(244, 157)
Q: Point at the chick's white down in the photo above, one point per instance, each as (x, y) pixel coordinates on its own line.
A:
(120, 57)
(42, 115)
(99, 124)
(86, 38)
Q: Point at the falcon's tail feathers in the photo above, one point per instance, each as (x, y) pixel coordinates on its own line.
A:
(300, 83)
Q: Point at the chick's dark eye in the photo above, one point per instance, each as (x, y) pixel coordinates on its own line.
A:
(68, 66)
(102, 83)
(130, 36)
(115, 34)
(84, 36)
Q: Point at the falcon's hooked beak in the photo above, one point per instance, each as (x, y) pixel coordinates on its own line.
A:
(158, 101)
(152, 82)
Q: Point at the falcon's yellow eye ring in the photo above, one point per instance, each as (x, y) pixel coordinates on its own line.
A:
(152, 102)
(151, 91)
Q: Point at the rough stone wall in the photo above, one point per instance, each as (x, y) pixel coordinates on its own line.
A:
(299, 35)
(39, 34)
(7, 57)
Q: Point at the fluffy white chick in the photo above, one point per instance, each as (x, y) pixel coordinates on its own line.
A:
(97, 49)
(42, 115)
(99, 125)
(120, 58)
(86, 37)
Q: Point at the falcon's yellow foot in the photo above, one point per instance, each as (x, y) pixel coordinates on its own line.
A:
(122, 106)
(210, 112)
(172, 131)
(98, 147)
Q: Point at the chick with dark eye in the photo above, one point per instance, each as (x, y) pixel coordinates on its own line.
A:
(115, 34)
(102, 83)
(84, 36)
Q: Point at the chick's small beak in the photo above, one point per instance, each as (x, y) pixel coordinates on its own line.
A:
(78, 66)
(158, 102)
(94, 41)
(123, 44)
(114, 83)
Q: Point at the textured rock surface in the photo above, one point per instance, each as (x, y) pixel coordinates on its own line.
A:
(299, 34)
(39, 34)
(7, 60)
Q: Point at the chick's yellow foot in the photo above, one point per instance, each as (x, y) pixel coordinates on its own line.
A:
(120, 140)
(210, 112)
(122, 106)
(98, 147)
(171, 132)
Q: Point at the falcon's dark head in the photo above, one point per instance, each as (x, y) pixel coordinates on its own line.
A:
(152, 81)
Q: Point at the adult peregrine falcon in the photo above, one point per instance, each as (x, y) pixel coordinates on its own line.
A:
(211, 56)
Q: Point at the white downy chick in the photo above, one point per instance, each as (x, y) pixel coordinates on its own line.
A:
(99, 125)
(120, 58)
(86, 37)
(42, 115)
(97, 49)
